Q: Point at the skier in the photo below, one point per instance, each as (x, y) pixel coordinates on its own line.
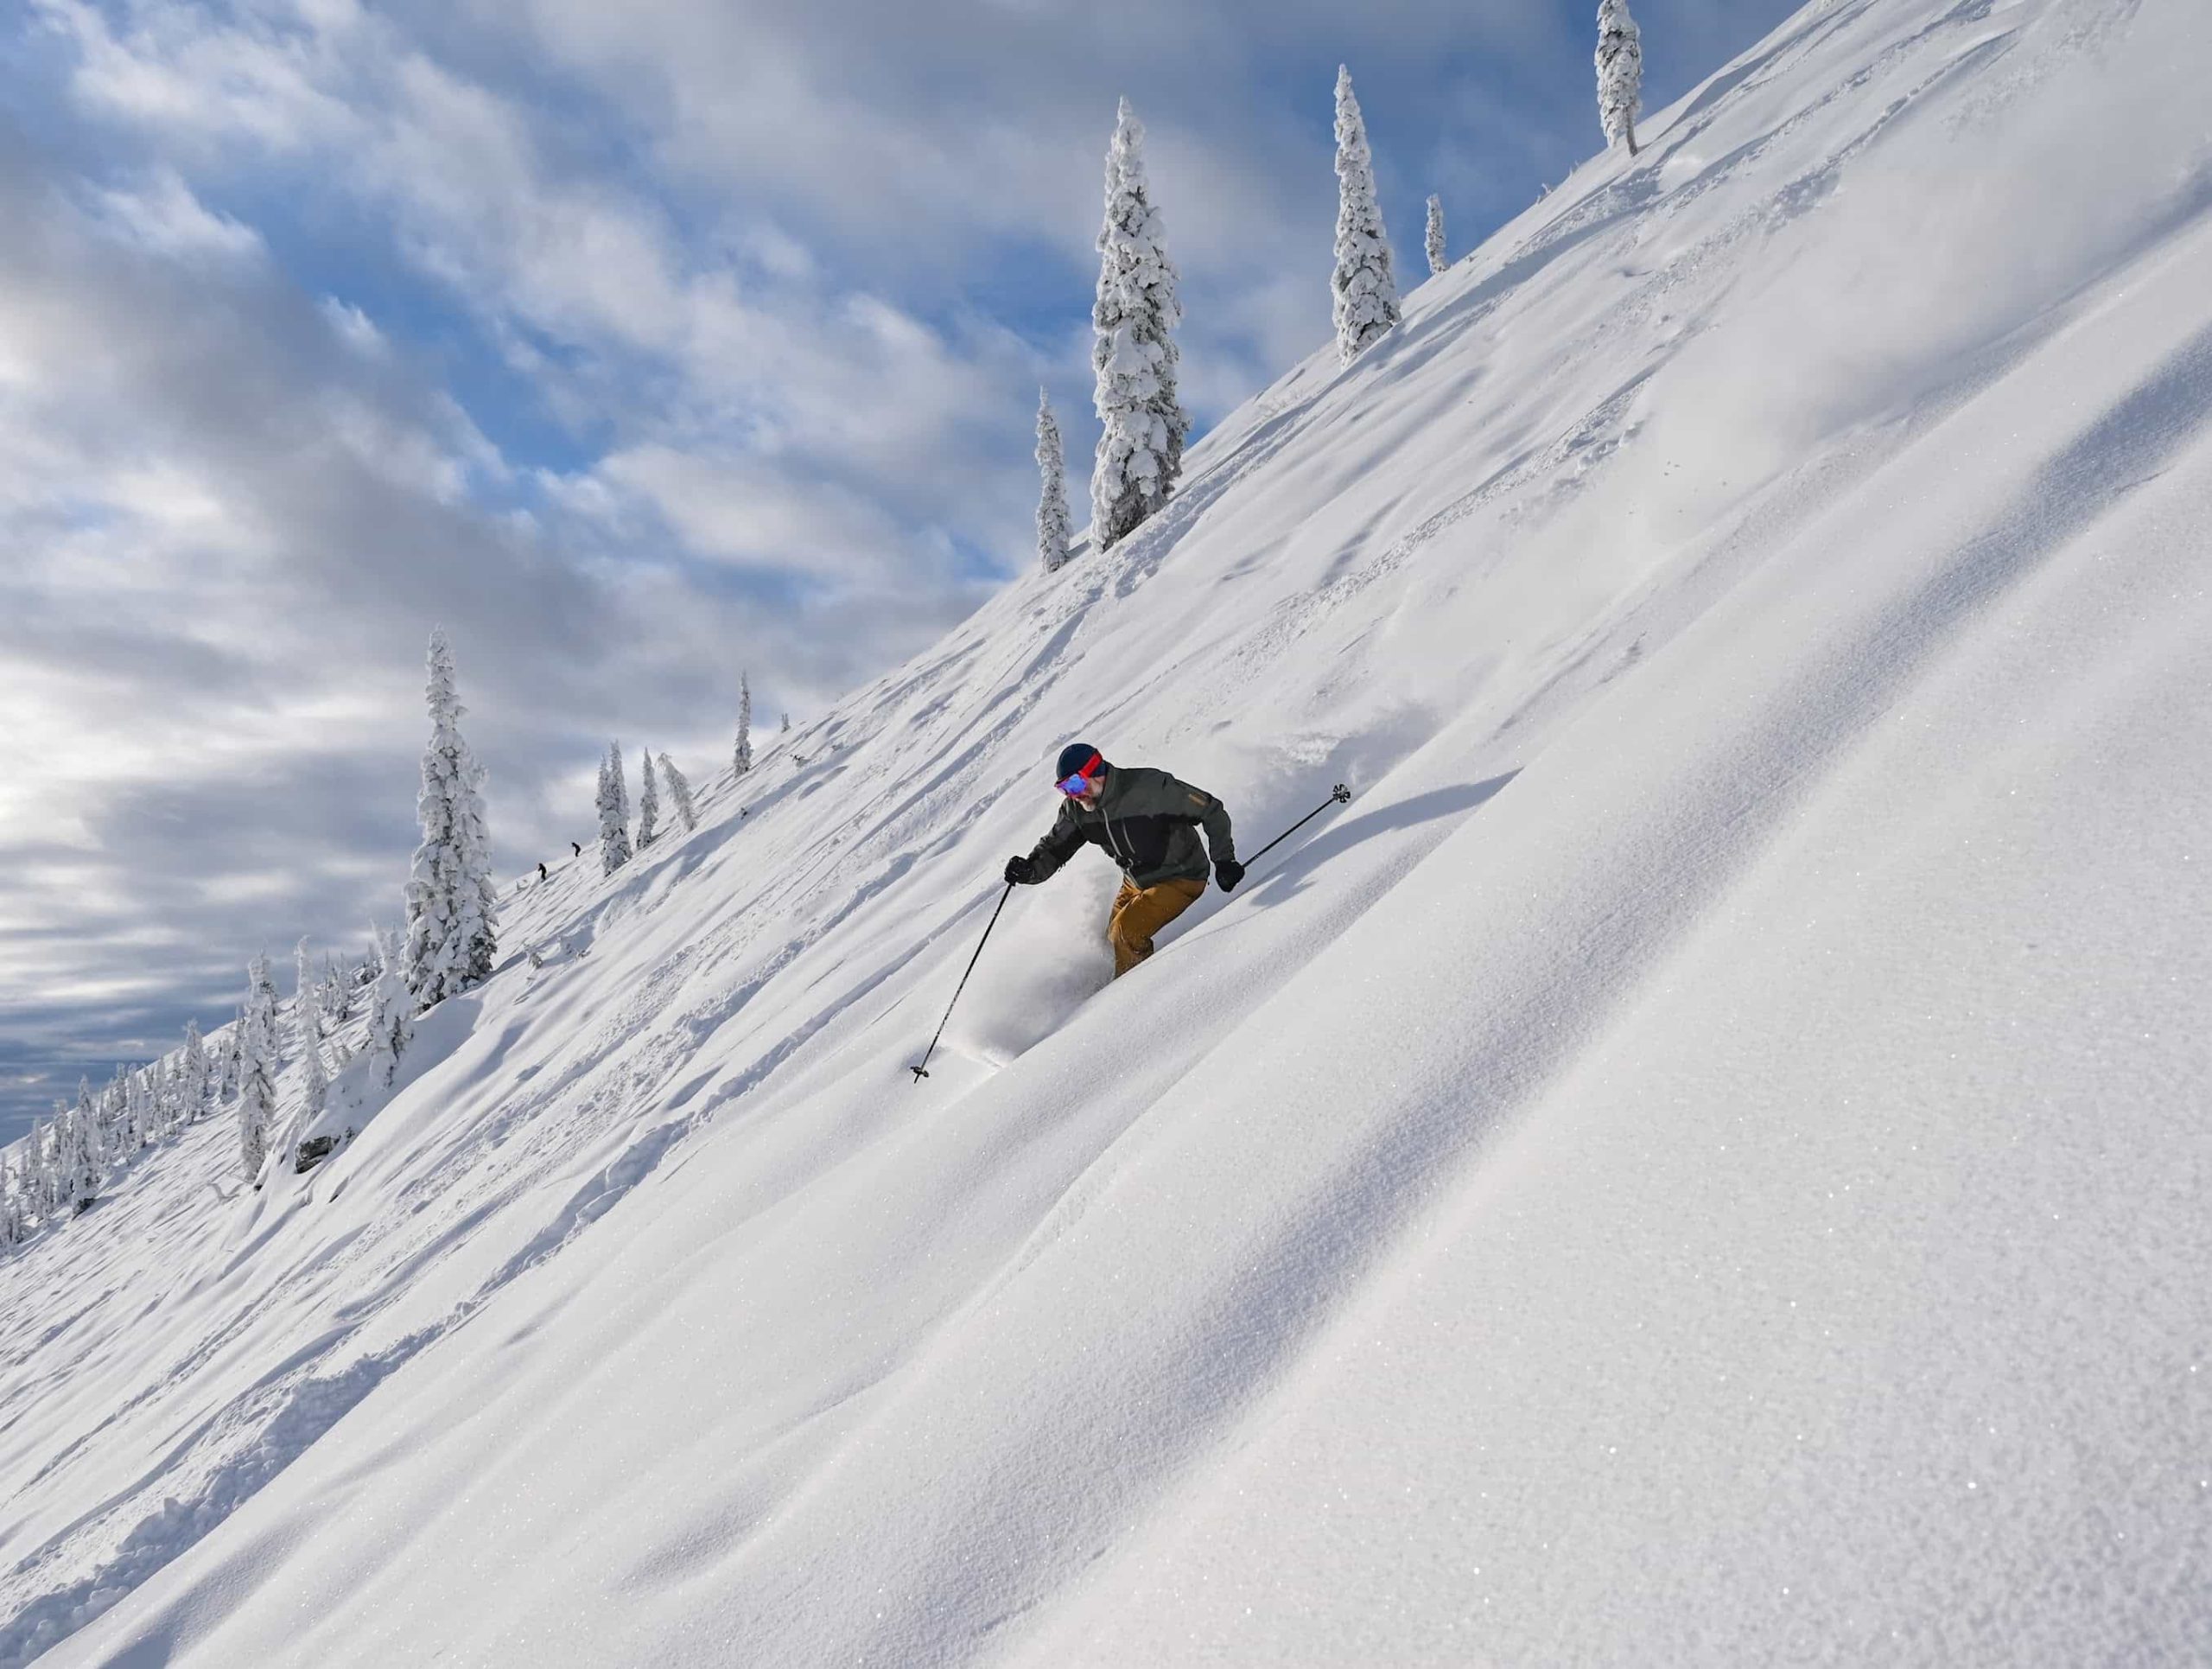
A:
(1146, 821)
(542, 875)
(576, 848)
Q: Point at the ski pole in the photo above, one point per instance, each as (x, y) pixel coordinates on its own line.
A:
(922, 1071)
(1338, 795)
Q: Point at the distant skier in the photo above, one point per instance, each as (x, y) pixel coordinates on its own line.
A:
(574, 848)
(542, 875)
(1147, 822)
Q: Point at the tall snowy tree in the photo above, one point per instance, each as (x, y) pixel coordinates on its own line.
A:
(391, 1010)
(257, 1068)
(257, 1023)
(227, 1051)
(1433, 243)
(1364, 285)
(613, 812)
(452, 898)
(679, 794)
(1620, 73)
(741, 760)
(1142, 423)
(192, 1103)
(80, 1175)
(648, 801)
(1051, 490)
(307, 1001)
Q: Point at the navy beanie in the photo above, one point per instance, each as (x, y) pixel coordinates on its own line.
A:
(1073, 758)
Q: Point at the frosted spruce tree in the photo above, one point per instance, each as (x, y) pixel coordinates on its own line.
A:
(1142, 421)
(307, 1003)
(741, 760)
(1433, 242)
(80, 1173)
(198, 1068)
(613, 812)
(257, 1068)
(391, 1010)
(1364, 289)
(452, 899)
(648, 801)
(258, 1024)
(679, 794)
(1620, 73)
(1051, 491)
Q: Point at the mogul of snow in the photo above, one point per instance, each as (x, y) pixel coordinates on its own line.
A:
(1148, 822)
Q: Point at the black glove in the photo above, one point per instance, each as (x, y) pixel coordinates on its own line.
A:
(1020, 872)
(1228, 872)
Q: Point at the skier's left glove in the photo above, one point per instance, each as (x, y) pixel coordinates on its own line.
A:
(1228, 872)
(1021, 872)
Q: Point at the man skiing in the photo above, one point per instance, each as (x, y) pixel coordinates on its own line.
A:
(1148, 822)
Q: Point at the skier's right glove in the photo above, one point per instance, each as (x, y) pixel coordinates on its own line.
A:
(1020, 872)
(1228, 872)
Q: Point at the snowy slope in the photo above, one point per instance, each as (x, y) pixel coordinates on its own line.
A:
(1705, 1160)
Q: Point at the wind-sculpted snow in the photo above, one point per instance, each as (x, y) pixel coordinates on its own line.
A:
(1700, 1160)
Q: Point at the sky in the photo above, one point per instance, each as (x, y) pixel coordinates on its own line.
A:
(638, 346)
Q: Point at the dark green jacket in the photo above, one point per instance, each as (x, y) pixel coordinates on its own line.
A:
(1147, 822)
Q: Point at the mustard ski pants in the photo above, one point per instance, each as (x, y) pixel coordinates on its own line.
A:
(1140, 912)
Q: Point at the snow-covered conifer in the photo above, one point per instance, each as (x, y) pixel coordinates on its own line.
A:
(315, 1088)
(1364, 285)
(452, 898)
(336, 1000)
(741, 760)
(257, 1068)
(679, 794)
(81, 1155)
(1435, 240)
(1052, 489)
(1620, 73)
(648, 801)
(1142, 422)
(307, 1001)
(613, 812)
(391, 1011)
(257, 1027)
(192, 1103)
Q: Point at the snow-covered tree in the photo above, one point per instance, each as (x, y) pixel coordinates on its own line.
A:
(613, 812)
(679, 794)
(648, 801)
(1365, 287)
(307, 1002)
(391, 1010)
(14, 1207)
(193, 1100)
(452, 898)
(257, 1068)
(315, 1088)
(1620, 73)
(257, 1020)
(1435, 240)
(741, 760)
(1142, 423)
(1052, 489)
(80, 1173)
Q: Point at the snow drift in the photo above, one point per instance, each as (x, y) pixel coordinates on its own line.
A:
(1704, 1160)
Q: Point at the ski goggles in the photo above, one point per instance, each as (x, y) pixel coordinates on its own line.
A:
(1078, 785)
